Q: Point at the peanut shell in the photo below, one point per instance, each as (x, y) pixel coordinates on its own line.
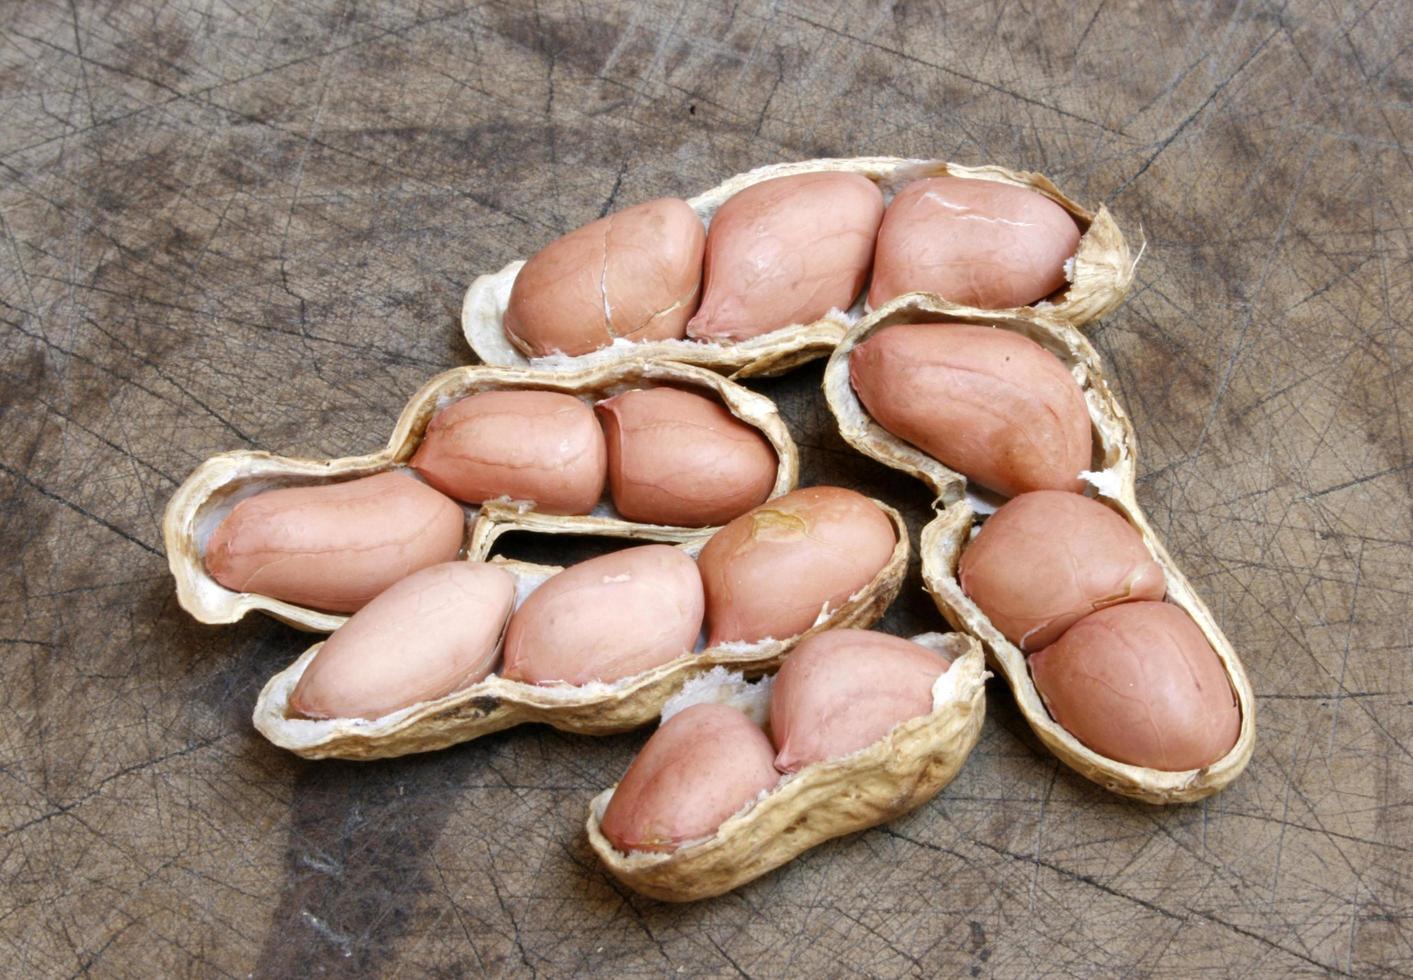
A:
(1099, 277)
(885, 780)
(594, 709)
(214, 487)
(1112, 474)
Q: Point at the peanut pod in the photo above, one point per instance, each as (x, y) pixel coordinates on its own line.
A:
(595, 709)
(1112, 474)
(1099, 278)
(881, 782)
(218, 484)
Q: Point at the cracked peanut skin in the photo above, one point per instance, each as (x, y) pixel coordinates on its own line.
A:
(336, 546)
(990, 404)
(607, 618)
(845, 689)
(703, 765)
(978, 243)
(786, 251)
(541, 446)
(1046, 559)
(1139, 683)
(432, 633)
(678, 458)
(634, 274)
(770, 571)
(1097, 280)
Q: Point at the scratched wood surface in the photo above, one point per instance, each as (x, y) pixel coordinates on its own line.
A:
(250, 225)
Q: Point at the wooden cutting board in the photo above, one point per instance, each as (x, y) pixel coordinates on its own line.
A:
(250, 225)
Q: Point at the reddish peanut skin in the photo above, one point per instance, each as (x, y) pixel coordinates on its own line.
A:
(635, 275)
(975, 242)
(786, 251)
(678, 458)
(843, 690)
(1139, 683)
(607, 618)
(699, 769)
(769, 572)
(337, 545)
(1046, 559)
(990, 404)
(543, 446)
(430, 634)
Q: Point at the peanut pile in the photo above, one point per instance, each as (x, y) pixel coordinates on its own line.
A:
(947, 299)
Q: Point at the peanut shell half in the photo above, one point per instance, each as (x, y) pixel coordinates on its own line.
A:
(1098, 279)
(885, 780)
(594, 709)
(1112, 474)
(219, 483)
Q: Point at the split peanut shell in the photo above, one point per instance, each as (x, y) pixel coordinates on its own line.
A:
(891, 777)
(218, 484)
(1111, 474)
(496, 703)
(1098, 279)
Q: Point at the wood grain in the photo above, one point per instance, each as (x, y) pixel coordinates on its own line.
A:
(229, 226)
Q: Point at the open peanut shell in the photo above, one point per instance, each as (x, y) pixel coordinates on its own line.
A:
(594, 709)
(1099, 277)
(885, 780)
(1112, 476)
(218, 484)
